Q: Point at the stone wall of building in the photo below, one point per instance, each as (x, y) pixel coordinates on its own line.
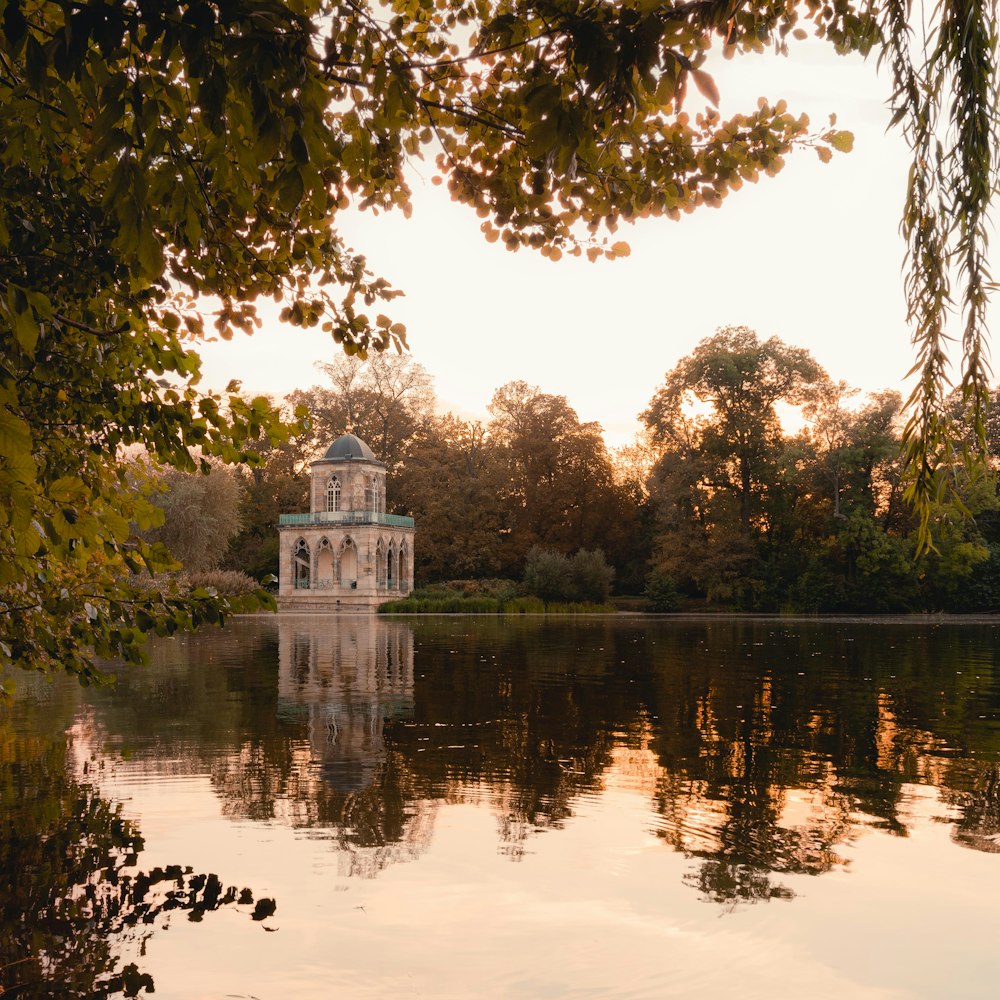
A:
(354, 479)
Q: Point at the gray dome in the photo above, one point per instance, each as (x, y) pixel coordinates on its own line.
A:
(349, 446)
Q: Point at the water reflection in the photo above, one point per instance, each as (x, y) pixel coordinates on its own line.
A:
(340, 682)
(766, 748)
(979, 808)
(781, 745)
(74, 898)
(759, 753)
(345, 678)
(311, 752)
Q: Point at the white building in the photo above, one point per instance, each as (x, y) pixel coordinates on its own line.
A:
(346, 553)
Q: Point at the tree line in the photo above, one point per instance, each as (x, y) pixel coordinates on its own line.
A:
(717, 504)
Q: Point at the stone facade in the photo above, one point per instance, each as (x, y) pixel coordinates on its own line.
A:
(346, 553)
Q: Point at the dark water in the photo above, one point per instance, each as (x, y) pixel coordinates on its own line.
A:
(458, 807)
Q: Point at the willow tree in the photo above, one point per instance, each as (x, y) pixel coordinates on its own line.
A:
(945, 99)
(160, 153)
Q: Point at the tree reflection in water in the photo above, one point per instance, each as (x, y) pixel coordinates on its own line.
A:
(74, 897)
(763, 748)
(844, 734)
(979, 826)
(770, 746)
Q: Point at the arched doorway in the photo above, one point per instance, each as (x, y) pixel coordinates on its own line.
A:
(348, 564)
(390, 567)
(324, 563)
(301, 565)
(404, 568)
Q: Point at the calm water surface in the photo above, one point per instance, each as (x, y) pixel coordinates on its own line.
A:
(304, 807)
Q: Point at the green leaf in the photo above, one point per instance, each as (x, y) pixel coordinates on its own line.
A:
(841, 140)
(15, 27)
(150, 253)
(299, 150)
(26, 331)
(36, 64)
(291, 190)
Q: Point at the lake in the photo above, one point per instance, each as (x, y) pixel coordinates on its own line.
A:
(304, 807)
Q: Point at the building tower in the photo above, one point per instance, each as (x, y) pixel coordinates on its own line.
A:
(347, 553)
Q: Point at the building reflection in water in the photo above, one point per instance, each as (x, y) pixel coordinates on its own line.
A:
(345, 677)
(341, 681)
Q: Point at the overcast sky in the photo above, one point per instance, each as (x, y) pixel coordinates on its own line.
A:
(812, 256)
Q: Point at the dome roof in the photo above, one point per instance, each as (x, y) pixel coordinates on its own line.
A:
(348, 446)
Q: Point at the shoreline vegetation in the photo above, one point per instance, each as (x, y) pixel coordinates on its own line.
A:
(639, 608)
(552, 127)
(492, 606)
(705, 512)
(493, 597)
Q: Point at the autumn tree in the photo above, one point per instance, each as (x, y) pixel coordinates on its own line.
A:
(741, 379)
(855, 448)
(629, 540)
(452, 483)
(559, 488)
(201, 514)
(275, 483)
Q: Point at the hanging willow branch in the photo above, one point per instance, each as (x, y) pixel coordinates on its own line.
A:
(945, 99)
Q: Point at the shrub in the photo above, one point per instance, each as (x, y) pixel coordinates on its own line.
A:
(579, 608)
(547, 575)
(498, 589)
(529, 605)
(592, 577)
(552, 576)
(661, 592)
(447, 605)
(524, 606)
(225, 582)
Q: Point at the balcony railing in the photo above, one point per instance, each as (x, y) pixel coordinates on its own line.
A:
(346, 517)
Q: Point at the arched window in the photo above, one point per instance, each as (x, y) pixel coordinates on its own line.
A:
(380, 567)
(391, 581)
(369, 492)
(377, 498)
(333, 494)
(301, 565)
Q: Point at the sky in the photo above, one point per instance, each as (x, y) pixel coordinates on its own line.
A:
(812, 256)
